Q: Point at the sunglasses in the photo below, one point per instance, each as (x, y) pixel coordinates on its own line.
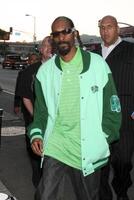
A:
(66, 31)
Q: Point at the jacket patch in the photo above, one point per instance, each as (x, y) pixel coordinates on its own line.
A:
(94, 88)
(115, 103)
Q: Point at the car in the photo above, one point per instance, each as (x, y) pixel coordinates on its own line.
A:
(21, 63)
(14, 61)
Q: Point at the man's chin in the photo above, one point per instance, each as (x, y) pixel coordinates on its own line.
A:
(63, 51)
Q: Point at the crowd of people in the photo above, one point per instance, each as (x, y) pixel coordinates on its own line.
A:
(78, 110)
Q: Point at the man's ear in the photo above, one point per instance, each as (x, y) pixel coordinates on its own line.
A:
(118, 29)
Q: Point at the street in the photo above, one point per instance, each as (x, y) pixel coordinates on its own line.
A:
(8, 79)
(15, 168)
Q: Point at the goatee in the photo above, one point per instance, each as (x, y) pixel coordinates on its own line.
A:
(63, 48)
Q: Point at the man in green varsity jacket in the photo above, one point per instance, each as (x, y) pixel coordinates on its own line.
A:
(78, 107)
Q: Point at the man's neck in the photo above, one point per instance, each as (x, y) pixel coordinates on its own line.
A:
(116, 42)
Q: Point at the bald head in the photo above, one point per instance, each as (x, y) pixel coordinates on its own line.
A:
(109, 30)
(46, 40)
(108, 18)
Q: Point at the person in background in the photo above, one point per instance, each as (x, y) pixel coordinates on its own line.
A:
(76, 114)
(46, 49)
(46, 52)
(26, 93)
(119, 55)
(33, 58)
(18, 104)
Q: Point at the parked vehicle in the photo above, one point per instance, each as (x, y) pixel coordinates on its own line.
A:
(20, 64)
(14, 61)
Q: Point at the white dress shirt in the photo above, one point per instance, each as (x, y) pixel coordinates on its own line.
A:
(106, 50)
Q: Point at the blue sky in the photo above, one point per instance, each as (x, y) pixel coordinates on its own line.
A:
(85, 15)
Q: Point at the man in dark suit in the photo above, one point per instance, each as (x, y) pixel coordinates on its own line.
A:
(120, 57)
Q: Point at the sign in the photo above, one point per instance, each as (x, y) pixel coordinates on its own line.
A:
(4, 35)
(17, 33)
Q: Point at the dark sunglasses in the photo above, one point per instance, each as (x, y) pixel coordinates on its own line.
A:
(66, 31)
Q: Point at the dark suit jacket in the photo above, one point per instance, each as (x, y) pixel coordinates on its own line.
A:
(121, 63)
(25, 88)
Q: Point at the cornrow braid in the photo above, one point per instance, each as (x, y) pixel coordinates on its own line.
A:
(79, 40)
(64, 19)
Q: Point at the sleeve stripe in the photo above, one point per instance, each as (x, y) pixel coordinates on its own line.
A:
(36, 137)
(35, 130)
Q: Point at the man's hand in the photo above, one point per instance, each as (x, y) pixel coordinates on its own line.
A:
(37, 146)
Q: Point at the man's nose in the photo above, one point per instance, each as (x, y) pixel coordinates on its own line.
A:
(61, 36)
